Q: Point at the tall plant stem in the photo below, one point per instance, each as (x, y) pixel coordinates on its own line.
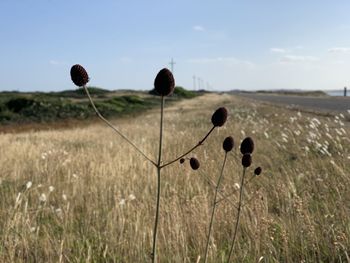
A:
(213, 210)
(190, 150)
(114, 128)
(154, 248)
(238, 215)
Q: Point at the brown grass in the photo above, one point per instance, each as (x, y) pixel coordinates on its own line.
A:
(102, 206)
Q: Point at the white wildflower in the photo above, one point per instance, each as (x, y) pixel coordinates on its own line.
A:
(266, 135)
(59, 212)
(339, 132)
(29, 184)
(122, 202)
(51, 188)
(64, 197)
(342, 115)
(131, 197)
(42, 198)
(237, 186)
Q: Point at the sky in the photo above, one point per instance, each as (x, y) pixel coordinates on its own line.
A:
(216, 44)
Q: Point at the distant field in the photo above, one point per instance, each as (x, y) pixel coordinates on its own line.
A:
(41, 107)
(83, 195)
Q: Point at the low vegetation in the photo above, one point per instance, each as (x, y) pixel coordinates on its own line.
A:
(16, 107)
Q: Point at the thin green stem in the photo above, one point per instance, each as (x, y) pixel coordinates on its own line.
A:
(154, 247)
(114, 128)
(238, 215)
(213, 210)
(190, 150)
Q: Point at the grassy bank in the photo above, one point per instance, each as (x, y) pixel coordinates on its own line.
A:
(42, 107)
(83, 195)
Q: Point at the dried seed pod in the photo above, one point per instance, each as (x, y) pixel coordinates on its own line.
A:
(257, 170)
(79, 75)
(247, 146)
(246, 160)
(182, 160)
(164, 82)
(219, 117)
(194, 163)
(228, 144)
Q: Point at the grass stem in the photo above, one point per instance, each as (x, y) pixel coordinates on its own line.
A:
(238, 215)
(213, 210)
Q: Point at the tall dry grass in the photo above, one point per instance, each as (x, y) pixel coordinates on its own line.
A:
(91, 197)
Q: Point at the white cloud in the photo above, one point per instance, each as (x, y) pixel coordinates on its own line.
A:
(295, 59)
(54, 62)
(225, 60)
(125, 59)
(198, 28)
(342, 50)
(278, 50)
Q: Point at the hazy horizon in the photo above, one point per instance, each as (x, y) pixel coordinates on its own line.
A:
(227, 44)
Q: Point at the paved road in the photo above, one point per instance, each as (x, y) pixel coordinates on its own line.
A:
(326, 104)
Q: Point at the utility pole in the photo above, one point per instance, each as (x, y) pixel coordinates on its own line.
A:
(194, 82)
(345, 91)
(172, 63)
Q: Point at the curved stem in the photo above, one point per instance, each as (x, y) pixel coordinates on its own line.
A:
(213, 211)
(114, 128)
(190, 150)
(154, 246)
(238, 216)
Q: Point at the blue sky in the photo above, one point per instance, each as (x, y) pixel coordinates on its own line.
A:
(227, 44)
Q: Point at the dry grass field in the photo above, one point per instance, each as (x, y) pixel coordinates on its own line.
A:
(83, 195)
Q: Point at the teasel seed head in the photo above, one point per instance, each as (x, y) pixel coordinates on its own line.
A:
(247, 146)
(164, 82)
(182, 160)
(79, 75)
(257, 170)
(194, 163)
(228, 144)
(246, 160)
(219, 117)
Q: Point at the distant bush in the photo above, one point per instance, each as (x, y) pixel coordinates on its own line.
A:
(184, 93)
(18, 104)
(179, 92)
